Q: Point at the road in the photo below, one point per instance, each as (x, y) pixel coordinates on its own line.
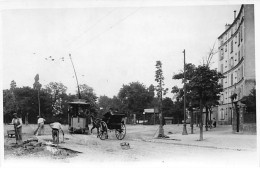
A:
(145, 149)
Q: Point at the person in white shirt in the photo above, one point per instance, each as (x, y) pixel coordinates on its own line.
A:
(17, 122)
(40, 129)
(56, 127)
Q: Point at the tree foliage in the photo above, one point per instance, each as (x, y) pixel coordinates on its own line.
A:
(205, 84)
(57, 92)
(250, 101)
(135, 97)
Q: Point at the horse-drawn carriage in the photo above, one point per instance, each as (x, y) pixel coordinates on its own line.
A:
(115, 122)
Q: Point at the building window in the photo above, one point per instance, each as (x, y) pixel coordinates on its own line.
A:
(221, 54)
(226, 48)
(242, 72)
(235, 77)
(231, 62)
(238, 38)
(238, 75)
(241, 33)
(231, 47)
(231, 79)
(222, 115)
(238, 56)
(242, 51)
(242, 92)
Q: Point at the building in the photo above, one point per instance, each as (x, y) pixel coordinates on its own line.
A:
(236, 62)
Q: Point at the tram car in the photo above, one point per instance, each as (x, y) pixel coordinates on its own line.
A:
(77, 116)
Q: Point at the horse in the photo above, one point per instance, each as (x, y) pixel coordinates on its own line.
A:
(95, 123)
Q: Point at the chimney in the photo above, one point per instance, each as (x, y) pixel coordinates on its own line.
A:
(227, 26)
(235, 14)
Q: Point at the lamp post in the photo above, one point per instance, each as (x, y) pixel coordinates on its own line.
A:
(184, 88)
(234, 105)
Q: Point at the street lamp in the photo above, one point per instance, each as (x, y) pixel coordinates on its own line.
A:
(184, 122)
(234, 105)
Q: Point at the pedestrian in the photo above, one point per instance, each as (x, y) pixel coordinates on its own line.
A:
(214, 122)
(17, 122)
(210, 122)
(40, 129)
(56, 127)
(107, 115)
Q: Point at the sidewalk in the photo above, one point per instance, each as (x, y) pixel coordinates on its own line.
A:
(220, 137)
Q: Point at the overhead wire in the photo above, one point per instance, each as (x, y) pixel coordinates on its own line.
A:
(91, 27)
(108, 29)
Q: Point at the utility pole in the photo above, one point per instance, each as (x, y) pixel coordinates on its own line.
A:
(39, 101)
(184, 88)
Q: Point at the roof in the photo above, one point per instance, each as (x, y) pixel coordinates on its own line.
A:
(230, 25)
(78, 103)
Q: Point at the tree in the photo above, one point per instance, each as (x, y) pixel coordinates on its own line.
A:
(179, 92)
(159, 78)
(104, 103)
(9, 102)
(56, 91)
(12, 85)
(204, 84)
(26, 102)
(134, 97)
(250, 101)
(167, 106)
(37, 86)
(88, 94)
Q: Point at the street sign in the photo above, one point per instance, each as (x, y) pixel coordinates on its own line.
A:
(149, 110)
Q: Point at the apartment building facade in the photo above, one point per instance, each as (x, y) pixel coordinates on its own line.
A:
(236, 61)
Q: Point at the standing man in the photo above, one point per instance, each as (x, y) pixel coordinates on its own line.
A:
(56, 126)
(17, 122)
(40, 128)
(107, 115)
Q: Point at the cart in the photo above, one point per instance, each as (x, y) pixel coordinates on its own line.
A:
(77, 116)
(10, 133)
(116, 123)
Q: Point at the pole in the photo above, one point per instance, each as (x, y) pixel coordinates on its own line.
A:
(39, 102)
(184, 88)
(191, 122)
(75, 76)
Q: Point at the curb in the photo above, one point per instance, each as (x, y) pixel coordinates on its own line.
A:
(190, 145)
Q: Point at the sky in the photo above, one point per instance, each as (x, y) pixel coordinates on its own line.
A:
(110, 46)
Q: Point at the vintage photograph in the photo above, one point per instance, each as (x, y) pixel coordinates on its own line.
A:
(129, 82)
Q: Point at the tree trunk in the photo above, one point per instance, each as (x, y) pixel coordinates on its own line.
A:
(191, 121)
(206, 123)
(196, 117)
(160, 131)
(201, 120)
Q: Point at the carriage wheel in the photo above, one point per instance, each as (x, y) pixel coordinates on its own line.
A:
(103, 131)
(120, 133)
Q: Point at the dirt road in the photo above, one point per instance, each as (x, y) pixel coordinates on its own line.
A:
(142, 148)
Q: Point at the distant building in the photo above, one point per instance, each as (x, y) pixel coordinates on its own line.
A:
(236, 61)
